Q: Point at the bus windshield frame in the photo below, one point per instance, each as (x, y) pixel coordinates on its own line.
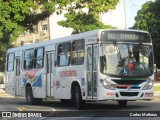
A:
(117, 54)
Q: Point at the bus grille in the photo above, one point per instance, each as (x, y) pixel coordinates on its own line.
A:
(129, 93)
(121, 82)
(124, 84)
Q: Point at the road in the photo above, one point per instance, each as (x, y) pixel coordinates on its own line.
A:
(92, 111)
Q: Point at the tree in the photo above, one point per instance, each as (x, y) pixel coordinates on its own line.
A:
(148, 19)
(83, 15)
(18, 16)
(81, 22)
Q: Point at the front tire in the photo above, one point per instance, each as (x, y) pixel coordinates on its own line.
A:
(29, 97)
(78, 102)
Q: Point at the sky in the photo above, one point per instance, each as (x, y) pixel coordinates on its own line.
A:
(132, 7)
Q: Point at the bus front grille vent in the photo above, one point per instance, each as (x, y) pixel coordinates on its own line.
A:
(121, 82)
(129, 94)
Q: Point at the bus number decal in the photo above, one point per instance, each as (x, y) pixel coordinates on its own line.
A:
(68, 73)
(57, 83)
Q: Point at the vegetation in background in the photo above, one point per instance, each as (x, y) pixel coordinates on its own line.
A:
(18, 16)
(83, 15)
(157, 88)
(148, 19)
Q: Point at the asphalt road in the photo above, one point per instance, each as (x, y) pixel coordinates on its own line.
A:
(56, 110)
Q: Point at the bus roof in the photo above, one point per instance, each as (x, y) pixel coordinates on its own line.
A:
(92, 33)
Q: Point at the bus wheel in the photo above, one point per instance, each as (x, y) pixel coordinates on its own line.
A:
(122, 102)
(29, 96)
(78, 98)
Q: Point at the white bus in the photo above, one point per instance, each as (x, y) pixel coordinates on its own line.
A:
(92, 66)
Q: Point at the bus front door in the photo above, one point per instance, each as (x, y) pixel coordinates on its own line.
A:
(49, 73)
(18, 82)
(92, 61)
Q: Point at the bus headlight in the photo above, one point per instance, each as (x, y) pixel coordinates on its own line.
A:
(148, 86)
(107, 85)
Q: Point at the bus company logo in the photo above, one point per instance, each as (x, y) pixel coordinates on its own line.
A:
(129, 87)
(68, 73)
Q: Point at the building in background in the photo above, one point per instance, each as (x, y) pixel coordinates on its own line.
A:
(41, 34)
(49, 29)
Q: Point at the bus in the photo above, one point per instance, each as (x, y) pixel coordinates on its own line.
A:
(2, 80)
(93, 66)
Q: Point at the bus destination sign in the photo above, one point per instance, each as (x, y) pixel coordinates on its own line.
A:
(125, 36)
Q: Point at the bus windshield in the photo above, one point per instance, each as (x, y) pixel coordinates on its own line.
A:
(127, 60)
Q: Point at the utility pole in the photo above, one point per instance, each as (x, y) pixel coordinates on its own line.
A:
(125, 14)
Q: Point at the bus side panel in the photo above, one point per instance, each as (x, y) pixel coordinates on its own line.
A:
(10, 83)
(39, 87)
(64, 78)
(39, 92)
(62, 83)
(35, 78)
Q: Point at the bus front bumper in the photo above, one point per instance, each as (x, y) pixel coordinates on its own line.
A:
(125, 94)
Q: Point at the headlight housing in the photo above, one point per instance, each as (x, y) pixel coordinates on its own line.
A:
(149, 85)
(107, 85)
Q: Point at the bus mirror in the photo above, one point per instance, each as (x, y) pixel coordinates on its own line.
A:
(103, 62)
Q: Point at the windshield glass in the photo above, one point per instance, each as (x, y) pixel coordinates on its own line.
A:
(127, 60)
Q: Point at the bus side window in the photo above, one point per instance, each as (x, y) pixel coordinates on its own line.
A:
(77, 52)
(10, 62)
(28, 59)
(64, 51)
(39, 58)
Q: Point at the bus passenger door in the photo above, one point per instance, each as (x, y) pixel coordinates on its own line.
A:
(49, 73)
(18, 81)
(92, 61)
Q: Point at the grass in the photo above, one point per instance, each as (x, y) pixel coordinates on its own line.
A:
(157, 88)
(2, 93)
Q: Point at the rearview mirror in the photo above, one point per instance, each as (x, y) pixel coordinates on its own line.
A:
(103, 63)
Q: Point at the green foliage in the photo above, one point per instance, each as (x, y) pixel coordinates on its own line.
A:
(3, 49)
(148, 19)
(18, 16)
(145, 17)
(83, 15)
(157, 88)
(81, 22)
